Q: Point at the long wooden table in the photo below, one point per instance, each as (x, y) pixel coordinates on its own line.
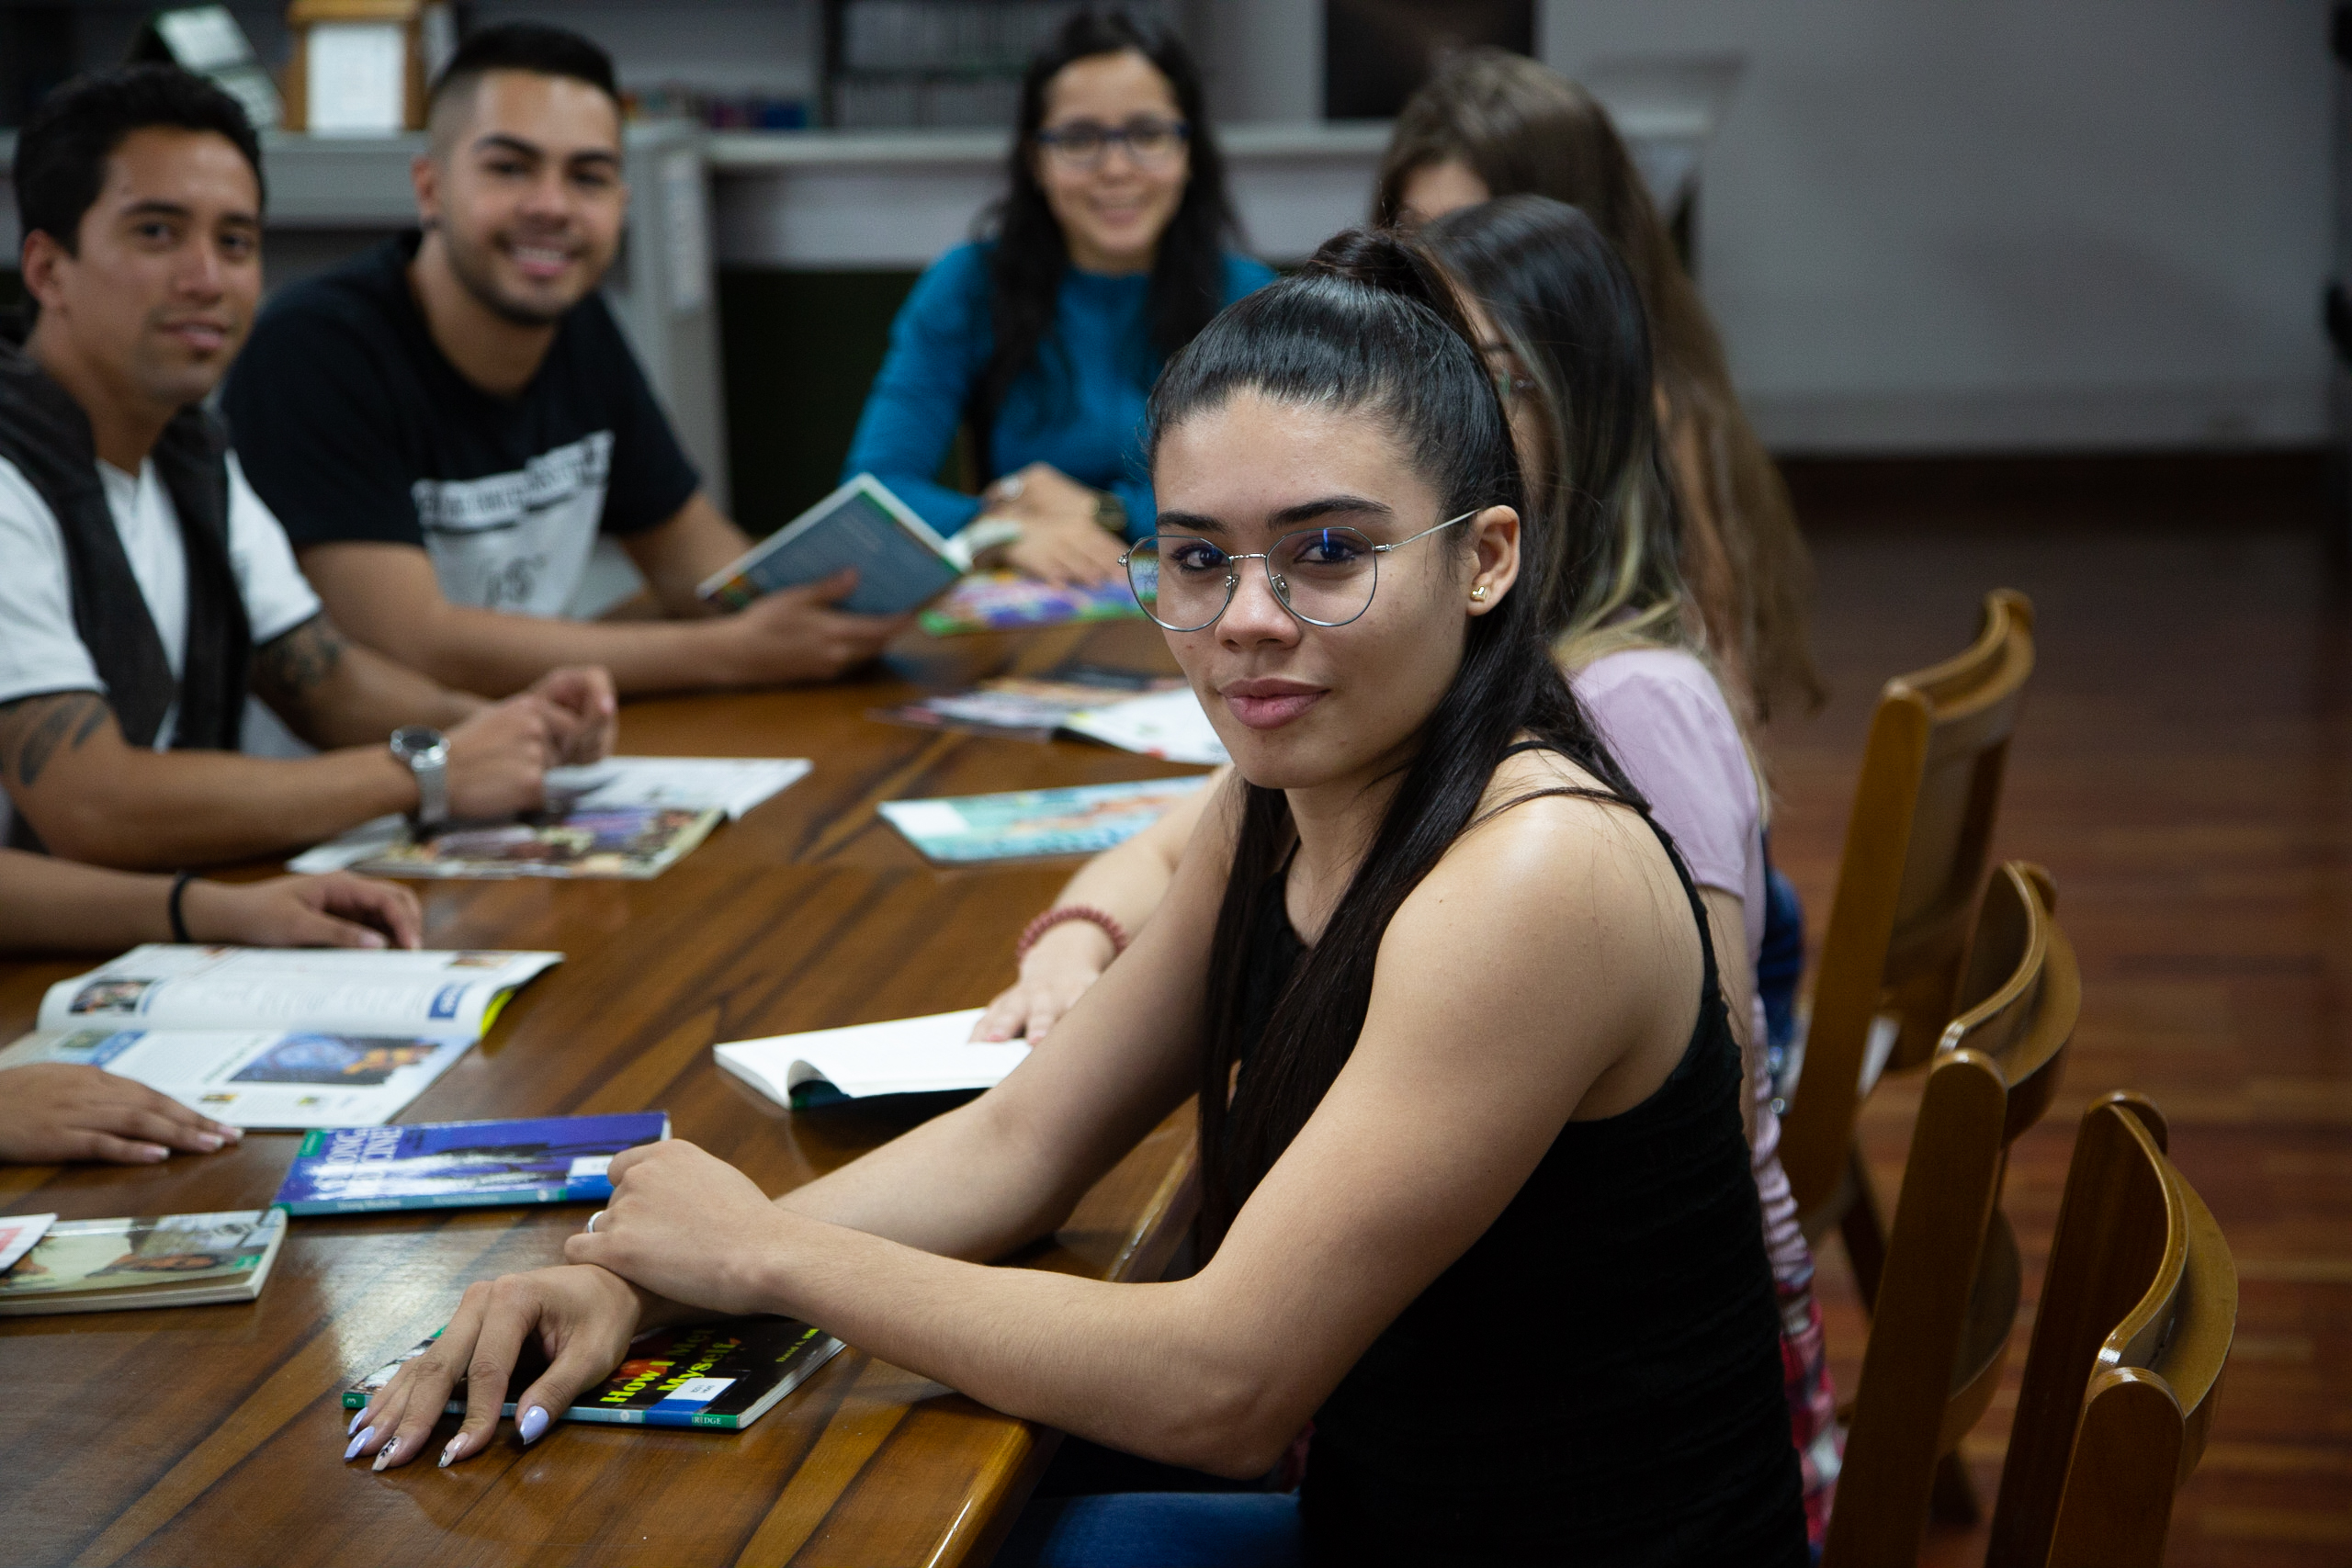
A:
(213, 1435)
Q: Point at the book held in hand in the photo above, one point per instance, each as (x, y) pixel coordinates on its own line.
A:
(999, 600)
(906, 1055)
(719, 1376)
(117, 1265)
(1021, 824)
(453, 1165)
(901, 563)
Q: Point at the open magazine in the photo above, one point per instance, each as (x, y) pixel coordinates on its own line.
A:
(278, 1038)
(1021, 824)
(1168, 725)
(1023, 707)
(625, 816)
(906, 1055)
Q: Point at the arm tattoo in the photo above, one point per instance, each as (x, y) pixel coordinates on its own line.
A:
(33, 729)
(292, 667)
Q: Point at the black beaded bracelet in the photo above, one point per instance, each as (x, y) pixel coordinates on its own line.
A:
(179, 924)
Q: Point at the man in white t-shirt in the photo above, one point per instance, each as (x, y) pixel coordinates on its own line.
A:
(146, 589)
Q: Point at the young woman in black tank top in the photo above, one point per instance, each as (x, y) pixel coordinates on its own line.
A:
(1476, 1198)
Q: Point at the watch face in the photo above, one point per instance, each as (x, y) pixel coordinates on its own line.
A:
(415, 741)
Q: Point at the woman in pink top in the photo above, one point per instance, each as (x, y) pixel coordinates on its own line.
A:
(1548, 299)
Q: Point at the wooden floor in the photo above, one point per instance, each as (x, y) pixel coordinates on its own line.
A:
(2185, 770)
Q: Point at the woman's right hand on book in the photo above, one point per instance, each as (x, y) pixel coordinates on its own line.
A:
(583, 1316)
(1066, 960)
(61, 1111)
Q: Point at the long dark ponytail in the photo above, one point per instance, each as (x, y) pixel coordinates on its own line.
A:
(1030, 257)
(1368, 327)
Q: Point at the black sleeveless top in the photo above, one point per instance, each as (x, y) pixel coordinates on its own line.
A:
(1597, 1380)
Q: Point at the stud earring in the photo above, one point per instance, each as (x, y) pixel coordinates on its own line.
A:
(1479, 594)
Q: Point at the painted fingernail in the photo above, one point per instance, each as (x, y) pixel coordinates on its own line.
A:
(534, 1423)
(385, 1458)
(358, 1442)
(151, 1151)
(357, 1417)
(451, 1452)
(211, 1140)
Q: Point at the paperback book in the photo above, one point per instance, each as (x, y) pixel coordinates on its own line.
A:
(454, 1165)
(1024, 707)
(906, 1055)
(625, 816)
(18, 1233)
(1168, 725)
(118, 1265)
(1024, 824)
(720, 1376)
(900, 562)
(999, 600)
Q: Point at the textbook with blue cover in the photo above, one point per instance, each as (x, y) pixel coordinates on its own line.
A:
(901, 563)
(452, 1164)
(721, 1376)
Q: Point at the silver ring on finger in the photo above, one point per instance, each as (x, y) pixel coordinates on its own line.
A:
(593, 1218)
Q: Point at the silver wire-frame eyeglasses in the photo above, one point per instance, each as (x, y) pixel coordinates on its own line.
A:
(1324, 576)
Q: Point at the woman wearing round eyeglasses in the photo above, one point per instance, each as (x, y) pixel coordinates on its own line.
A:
(1044, 339)
(1474, 1196)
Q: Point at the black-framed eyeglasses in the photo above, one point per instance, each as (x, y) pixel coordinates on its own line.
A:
(1324, 576)
(1082, 143)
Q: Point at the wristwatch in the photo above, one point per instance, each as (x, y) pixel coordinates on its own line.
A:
(426, 752)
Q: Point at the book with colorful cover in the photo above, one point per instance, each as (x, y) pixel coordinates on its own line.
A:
(1025, 707)
(719, 1376)
(452, 1164)
(284, 1079)
(999, 600)
(1022, 824)
(119, 1265)
(901, 563)
(627, 841)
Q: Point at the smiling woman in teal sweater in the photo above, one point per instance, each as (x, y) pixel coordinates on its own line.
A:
(1046, 339)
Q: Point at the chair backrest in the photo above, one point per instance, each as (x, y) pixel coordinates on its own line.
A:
(2137, 1312)
(1949, 1295)
(1915, 854)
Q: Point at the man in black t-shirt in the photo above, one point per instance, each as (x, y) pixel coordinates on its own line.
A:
(445, 423)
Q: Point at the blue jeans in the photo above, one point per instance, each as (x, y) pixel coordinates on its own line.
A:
(1156, 1530)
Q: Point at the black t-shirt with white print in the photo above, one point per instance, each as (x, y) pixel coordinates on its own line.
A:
(353, 425)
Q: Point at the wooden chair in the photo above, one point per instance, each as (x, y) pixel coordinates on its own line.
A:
(1949, 1297)
(1914, 860)
(2137, 1312)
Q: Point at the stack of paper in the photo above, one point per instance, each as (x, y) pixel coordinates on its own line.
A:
(907, 1056)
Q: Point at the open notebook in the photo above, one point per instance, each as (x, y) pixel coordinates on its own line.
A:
(907, 1056)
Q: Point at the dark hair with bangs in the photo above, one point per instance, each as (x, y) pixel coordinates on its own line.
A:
(62, 151)
(1368, 328)
(1030, 255)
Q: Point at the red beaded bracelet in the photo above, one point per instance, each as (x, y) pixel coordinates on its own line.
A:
(1037, 928)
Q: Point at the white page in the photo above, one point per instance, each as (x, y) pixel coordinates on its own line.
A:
(357, 79)
(1168, 725)
(906, 1055)
(733, 784)
(337, 989)
(259, 1077)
